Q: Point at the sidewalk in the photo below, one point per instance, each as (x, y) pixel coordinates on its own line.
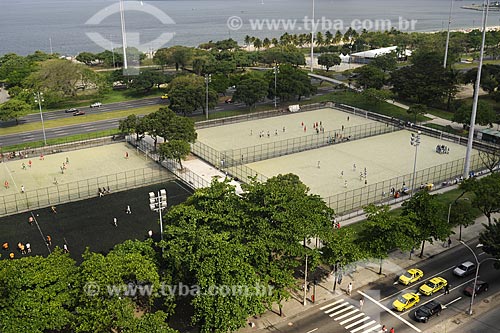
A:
(361, 277)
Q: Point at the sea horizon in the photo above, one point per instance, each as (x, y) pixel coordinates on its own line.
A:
(70, 27)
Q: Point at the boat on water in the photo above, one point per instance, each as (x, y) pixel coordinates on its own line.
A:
(494, 7)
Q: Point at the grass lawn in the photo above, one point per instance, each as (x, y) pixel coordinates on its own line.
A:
(474, 64)
(440, 113)
(447, 129)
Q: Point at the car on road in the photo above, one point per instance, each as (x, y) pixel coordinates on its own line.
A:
(428, 310)
(164, 96)
(410, 276)
(78, 113)
(70, 110)
(433, 285)
(480, 287)
(465, 269)
(405, 301)
(96, 105)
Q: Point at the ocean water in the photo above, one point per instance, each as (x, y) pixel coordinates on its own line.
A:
(62, 25)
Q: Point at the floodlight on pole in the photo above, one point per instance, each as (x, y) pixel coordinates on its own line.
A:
(158, 203)
(124, 34)
(415, 141)
(275, 84)
(470, 140)
(312, 37)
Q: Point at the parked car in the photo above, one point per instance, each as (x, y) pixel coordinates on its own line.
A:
(78, 113)
(70, 110)
(465, 269)
(405, 301)
(412, 275)
(96, 105)
(480, 287)
(428, 310)
(435, 284)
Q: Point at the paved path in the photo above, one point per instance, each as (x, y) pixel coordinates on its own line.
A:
(4, 95)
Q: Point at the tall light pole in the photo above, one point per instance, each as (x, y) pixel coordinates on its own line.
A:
(468, 153)
(275, 84)
(158, 204)
(208, 79)
(478, 264)
(39, 100)
(448, 36)
(415, 141)
(312, 38)
(124, 35)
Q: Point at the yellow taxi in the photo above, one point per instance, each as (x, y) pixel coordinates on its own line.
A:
(410, 276)
(435, 284)
(405, 301)
(164, 96)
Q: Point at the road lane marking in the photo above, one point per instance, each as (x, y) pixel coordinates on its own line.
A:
(413, 286)
(363, 326)
(390, 311)
(312, 330)
(346, 314)
(331, 304)
(373, 328)
(357, 322)
(337, 307)
(343, 310)
(352, 318)
(449, 303)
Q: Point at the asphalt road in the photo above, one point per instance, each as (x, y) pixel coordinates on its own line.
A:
(343, 314)
(50, 133)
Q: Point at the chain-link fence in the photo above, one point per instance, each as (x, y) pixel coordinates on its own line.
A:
(190, 178)
(439, 175)
(82, 189)
(303, 143)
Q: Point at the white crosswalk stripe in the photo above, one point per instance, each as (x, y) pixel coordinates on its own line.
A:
(350, 317)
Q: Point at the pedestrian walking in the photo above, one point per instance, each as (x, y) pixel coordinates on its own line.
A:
(347, 118)
(48, 240)
(5, 246)
(126, 154)
(42, 157)
(345, 183)
(391, 330)
(6, 184)
(22, 189)
(275, 132)
(115, 222)
(349, 289)
(67, 160)
(54, 209)
(449, 242)
(283, 129)
(341, 173)
(24, 166)
(342, 127)
(447, 289)
(62, 170)
(28, 247)
(150, 233)
(384, 329)
(29, 163)
(128, 211)
(55, 181)
(361, 303)
(354, 167)
(65, 248)
(30, 220)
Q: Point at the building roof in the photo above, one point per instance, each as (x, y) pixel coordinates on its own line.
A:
(491, 132)
(377, 52)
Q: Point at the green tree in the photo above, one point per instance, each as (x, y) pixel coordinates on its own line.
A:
(292, 83)
(416, 110)
(175, 149)
(462, 214)
(383, 232)
(251, 91)
(386, 62)
(424, 210)
(179, 56)
(15, 69)
(14, 109)
(370, 77)
(129, 125)
(490, 238)
(87, 58)
(187, 94)
(486, 197)
(38, 294)
(329, 60)
(484, 114)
